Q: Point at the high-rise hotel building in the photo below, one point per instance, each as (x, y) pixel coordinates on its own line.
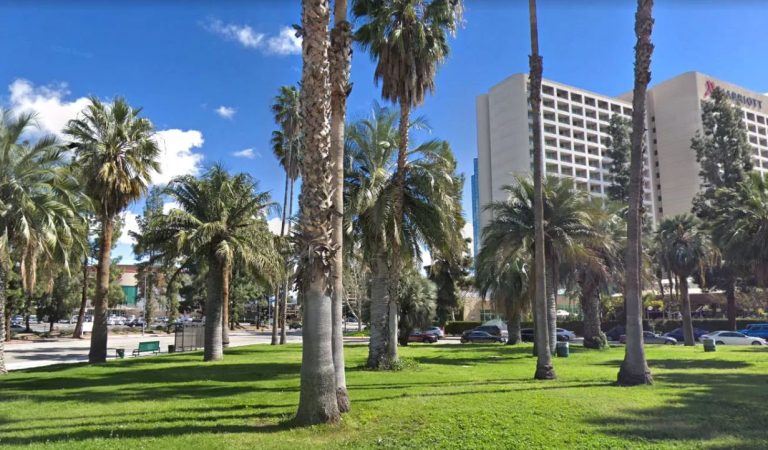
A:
(575, 132)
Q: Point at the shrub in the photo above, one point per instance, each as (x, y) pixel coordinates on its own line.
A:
(459, 327)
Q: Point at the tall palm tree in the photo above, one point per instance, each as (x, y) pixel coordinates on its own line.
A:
(545, 340)
(634, 369)
(114, 146)
(340, 57)
(287, 146)
(567, 228)
(408, 39)
(431, 211)
(318, 402)
(220, 223)
(683, 249)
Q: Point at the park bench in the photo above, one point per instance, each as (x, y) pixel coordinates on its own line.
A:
(145, 347)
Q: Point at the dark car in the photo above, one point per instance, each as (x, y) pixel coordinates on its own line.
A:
(528, 335)
(418, 336)
(650, 337)
(677, 333)
(493, 330)
(480, 336)
(615, 333)
(756, 330)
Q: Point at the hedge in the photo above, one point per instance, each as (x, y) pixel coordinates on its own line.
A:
(459, 327)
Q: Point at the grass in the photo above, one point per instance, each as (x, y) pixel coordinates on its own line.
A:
(454, 396)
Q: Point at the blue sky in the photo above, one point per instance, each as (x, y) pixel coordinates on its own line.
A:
(206, 72)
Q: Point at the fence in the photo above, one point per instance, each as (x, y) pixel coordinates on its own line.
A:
(189, 337)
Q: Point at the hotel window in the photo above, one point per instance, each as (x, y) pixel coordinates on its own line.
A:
(761, 130)
(604, 117)
(562, 118)
(763, 142)
(592, 138)
(580, 160)
(549, 103)
(575, 97)
(591, 126)
(602, 104)
(579, 135)
(595, 189)
(760, 119)
(627, 111)
(594, 163)
(552, 142)
(577, 110)
(590, 113)
(548, 90)
(566, 132)
(565, 144)
(750, 116)
(751, 128)
(658, 175)
(661, 210)
(589, 101)
(550, 129)
(753, 139)
(593, 151)
(549, 116)
(578, 123)
(551, 168)
(658, 188)
(566, 158)
(616, 108)
(551, 154)
(581, 173)
(561, 106)
(594, 176)
(562, 94)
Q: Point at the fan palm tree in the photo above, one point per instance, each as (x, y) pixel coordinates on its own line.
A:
(567, 228)
(634, 369)
(318, 402)
(115, 148)
(683, 249)
(287, 147)
(431, 211)
(37, 198)
(219, 222)
(408, 39)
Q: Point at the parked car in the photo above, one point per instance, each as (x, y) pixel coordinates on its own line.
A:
(493, 330)
(116, 320)
(136, 323)
(418, 336)
(677, 333)
(733, 338)
(650, 337)
(480, 336)
(614, 334)
(564, 335)
(527, 335)
(756, 330)
(437, 331)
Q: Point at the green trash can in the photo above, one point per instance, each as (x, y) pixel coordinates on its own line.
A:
(709, 345)
(171, 348)
(562, 350)
(120, 353)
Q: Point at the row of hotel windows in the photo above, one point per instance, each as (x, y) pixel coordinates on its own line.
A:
(579, 98)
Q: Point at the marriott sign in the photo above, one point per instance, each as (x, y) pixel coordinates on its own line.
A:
(750, 102)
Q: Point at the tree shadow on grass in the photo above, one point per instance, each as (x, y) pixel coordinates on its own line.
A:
(708, 405)
(675, 364)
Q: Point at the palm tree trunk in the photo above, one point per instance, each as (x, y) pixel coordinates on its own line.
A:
(287, 206)
(317, 397)
(213, 349)
(634, 369)
(551, 304)
(289, 269)
(275, 316)
(340, 58)
(687, 321)
(730, 298)
(590, 307)
(544, 368)
(98, 352)
(377, 346)
(226, 269)
(83, 302)
(3, 278)
(513, 326)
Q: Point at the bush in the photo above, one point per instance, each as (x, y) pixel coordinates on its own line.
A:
(459, 327)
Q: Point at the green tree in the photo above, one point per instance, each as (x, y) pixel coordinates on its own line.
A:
(407, 39)
(618, 151)
(634, 369)
(148, 274)
(220, 220)
(36, 199)
(723, 153)
(418, 297)
(431, 209)
(684, 249)
(504, 277)
(114, 147)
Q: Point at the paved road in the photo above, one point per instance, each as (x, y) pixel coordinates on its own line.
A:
(24, 355)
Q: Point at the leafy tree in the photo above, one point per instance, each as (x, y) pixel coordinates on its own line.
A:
(634, 369)
(618, 150)
(448, 274)
(418, 298)
(148, 270)
(58, 301)
(684, 250)
(115, 149)
(723, 153)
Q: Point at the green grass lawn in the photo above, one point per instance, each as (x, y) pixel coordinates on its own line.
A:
(455, 397)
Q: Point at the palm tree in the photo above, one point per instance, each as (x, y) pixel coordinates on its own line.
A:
(36, 202)
(287, 146)
(408, 39)
(567, 228)
(683, 249)
(114, 146)
(219, 223)
(431, 211)
(417, 303)
(340, 57)
(543, 314)
(318, 401)
(634, 369)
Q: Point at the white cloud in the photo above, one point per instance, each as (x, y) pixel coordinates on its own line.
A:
(468, 232)
(226, 112)
(167, 207)
(284, 43)
(274, 225)
(53, 112)
(176, 155)
(248, 153)
(129, 224)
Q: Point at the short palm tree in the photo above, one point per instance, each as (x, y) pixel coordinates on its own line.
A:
(37, 200)
(220, 222)
(287, 147)
(430, 208)
(567, 228)
(408, 39)
(683, 249)
(418, 297)
(115, 149)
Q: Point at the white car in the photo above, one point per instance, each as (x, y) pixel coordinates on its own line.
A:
(733, 338)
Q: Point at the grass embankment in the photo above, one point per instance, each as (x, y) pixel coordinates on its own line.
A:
(457, 397)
